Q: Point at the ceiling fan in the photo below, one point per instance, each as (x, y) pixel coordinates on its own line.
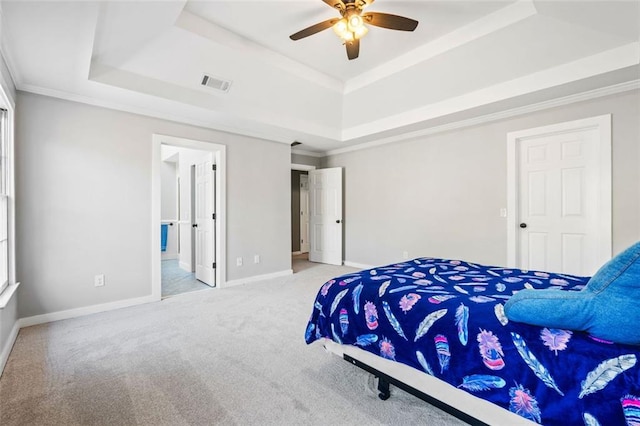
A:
(351, 27)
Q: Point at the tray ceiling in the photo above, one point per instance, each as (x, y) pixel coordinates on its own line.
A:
(466, 58)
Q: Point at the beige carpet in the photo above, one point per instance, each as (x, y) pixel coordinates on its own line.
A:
(221, 357)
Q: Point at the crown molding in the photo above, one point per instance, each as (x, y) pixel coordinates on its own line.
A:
(38, 90)
(307, 153)
(514, 112)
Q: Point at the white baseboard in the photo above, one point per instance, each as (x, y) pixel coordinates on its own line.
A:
(257, 278)
(169, 256)
(295, 253)
(87, 310)
(358, 265)
(184, 265)
(6, 350)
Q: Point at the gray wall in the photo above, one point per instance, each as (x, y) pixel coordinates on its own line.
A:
(440, 195)
(306, 160)
(84, 179)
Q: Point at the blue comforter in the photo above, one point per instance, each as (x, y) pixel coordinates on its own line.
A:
(446, 318)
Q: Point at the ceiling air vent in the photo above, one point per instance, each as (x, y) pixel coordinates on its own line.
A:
(296, 143)
(215, 83)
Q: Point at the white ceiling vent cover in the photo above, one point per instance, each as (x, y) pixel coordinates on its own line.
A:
(215, 83)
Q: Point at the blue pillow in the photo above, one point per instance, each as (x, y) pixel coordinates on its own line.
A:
(607, 308)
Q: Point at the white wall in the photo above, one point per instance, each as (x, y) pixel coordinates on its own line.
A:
(84, 175)
(441, 195)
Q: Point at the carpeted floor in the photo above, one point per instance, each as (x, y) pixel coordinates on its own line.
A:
(224, 357)
(176, 280)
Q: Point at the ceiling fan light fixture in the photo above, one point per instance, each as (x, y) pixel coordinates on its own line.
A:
(352, 25)
(355, 23)
(360, 32)
(341, 28)
(350, 28)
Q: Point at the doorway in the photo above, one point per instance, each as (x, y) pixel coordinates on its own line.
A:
(299, 212)
(187, 220)
(202, 223)
(559, 195)
(300, 216)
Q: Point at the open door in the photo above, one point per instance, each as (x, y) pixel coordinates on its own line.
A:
(205, 221)
(325, 222)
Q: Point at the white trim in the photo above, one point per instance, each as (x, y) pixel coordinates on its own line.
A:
(295, 253)
(134, 109)
(298, 151)
(86, 310)
(358, 265)
(506, 91)
(302, 167)
(8, 346)
(488, 118)
(514, 112)
(185, 266)
(603, 124)
(9, 104)
(262, 277)
(219, 151)
(5, 296)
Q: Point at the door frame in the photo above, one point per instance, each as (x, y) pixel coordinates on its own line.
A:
(601, 123)
(220, 156)
(306, 211)
(301, 168)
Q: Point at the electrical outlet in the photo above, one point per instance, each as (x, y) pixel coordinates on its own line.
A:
(239, 261)
(503, 212)
(256, 258)
(405, 254)
(98, 280)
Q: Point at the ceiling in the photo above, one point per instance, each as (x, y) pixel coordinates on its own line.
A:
(466, 59)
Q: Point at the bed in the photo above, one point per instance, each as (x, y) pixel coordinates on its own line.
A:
(437, 328)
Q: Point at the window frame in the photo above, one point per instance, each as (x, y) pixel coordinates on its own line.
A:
(7, 186)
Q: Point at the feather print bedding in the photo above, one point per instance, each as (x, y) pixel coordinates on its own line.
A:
(446, 319)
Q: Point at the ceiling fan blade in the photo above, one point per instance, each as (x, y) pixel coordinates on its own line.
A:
(314, 29)
(353, 48)
(392, 22)
(336, 4)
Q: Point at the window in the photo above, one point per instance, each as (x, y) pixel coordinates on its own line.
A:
(4, 201)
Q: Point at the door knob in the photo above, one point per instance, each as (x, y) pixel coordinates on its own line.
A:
(195, 225)
(523, 225)
(338, 221)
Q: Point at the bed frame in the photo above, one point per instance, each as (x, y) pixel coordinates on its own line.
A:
(456, 402)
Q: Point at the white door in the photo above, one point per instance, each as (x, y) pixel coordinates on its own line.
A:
(205, 225)
(325, 222)
(304, 214)
(560, 222)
